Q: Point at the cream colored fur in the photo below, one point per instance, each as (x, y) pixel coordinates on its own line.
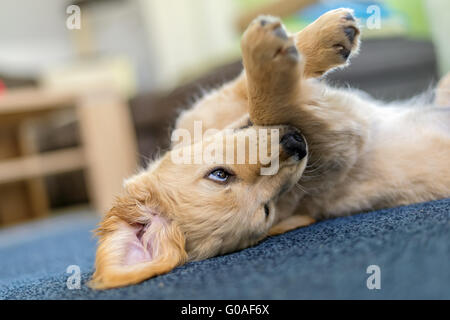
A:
(362, 155)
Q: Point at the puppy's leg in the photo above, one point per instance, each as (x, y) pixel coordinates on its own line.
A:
(325, 44)
(328, 42)
(443, 92)
(334, 124)
(273, 68)
(291, 223)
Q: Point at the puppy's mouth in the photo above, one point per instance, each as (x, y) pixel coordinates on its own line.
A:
(295, 166)
(285, 187)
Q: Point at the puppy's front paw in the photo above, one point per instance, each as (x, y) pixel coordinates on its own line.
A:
(344, 28)
(266, 44)
(329, 41)
(272, 68)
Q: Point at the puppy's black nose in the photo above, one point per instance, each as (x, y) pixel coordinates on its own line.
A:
(294, 144)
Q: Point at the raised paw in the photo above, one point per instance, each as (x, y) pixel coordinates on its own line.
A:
(266, 44)
(346, 32)
(272, 68)
(329, 41)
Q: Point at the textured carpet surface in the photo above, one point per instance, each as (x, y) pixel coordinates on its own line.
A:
(411, 245)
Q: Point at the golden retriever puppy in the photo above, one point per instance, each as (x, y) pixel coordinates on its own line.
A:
(287, 150)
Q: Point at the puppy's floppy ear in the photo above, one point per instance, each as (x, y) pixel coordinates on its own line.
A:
(136, 243)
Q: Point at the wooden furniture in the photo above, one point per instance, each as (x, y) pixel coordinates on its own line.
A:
(107, 152)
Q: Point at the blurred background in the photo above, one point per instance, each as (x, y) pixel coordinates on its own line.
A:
(90, 89)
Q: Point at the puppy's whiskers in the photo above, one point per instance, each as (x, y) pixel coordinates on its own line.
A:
(301, 188)
(319, 171)
(315, 163)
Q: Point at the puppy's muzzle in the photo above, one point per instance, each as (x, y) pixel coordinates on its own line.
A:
(294, 144)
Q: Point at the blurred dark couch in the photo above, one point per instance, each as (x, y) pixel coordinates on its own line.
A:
(388, 69)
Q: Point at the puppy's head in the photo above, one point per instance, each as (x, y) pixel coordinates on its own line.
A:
(199, 200)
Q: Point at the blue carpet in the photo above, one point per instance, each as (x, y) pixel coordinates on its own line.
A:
(327, 260)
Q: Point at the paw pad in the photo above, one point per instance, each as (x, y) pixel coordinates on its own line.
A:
(351, 33)
(281, 33)
(349, 17)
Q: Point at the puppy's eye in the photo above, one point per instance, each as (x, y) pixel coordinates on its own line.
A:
(219, 175)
